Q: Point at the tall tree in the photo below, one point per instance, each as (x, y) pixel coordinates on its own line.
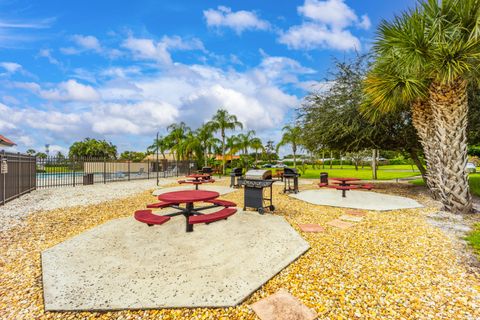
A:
(331, 120)
(223, 121)
(256, 144)
(292, 136)
(245, 140)
(177, 134)
(162, 144)
(426, 58)
(93, 148)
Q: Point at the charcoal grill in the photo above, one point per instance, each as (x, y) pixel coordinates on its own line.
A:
(235, 174)
(254, 182)
(290, 180)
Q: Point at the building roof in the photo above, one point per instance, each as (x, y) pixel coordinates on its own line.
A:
(6, 142)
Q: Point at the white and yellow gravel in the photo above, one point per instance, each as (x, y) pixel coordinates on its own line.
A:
(391, 265)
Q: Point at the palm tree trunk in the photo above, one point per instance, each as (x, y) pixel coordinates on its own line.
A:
(294, 157)
(450, 109)
(223, 152)
(423, 121)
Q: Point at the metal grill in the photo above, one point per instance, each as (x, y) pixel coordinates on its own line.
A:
(235, 174)
(290, 180)
(254, 183)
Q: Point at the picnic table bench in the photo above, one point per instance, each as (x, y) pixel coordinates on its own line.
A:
(192, 215)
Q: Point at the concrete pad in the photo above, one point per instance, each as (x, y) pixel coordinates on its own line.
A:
(282, 306)
(351, 218)
(366, 200)
(124, 264)
(209, 187)
(340, 224)
(311, 228)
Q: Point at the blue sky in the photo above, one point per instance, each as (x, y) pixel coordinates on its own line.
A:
(123, 70)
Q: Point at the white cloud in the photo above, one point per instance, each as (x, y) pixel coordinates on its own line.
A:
(239, 21)
(47, 53)
(87, 42)
(311, 36)
(83, 43)
(149, 49)
(10, 67)
(327, 24)
(71, 90)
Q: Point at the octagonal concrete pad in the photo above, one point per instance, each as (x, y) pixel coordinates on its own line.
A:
(124, 264)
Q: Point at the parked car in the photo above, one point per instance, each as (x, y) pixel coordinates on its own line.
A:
(267, 165)
(471, 168)
(280, 165)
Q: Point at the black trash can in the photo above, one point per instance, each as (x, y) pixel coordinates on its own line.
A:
(324, 178)
(87, 179)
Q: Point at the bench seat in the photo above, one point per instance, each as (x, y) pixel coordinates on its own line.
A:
(161, 205)
(146, 216)
(223, 203)
(212, 217)
(367, 186)
(323, 185)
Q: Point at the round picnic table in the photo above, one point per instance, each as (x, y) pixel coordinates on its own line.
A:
(189, 197)
(198, 176)
(344, 188)
(345, 181)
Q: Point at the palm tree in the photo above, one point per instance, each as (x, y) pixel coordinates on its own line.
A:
(291, 135)
(223, 121)
(161, 144)
(233, 145)
(245, 140)
(256, 144)
(425, 59)
(177, 133)
(203, 142)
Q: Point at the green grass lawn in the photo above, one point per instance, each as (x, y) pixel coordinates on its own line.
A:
(386, 172)
(474, 239)
(474, 181)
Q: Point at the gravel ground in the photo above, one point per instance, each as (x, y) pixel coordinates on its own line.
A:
(14, 212)
(391, 265)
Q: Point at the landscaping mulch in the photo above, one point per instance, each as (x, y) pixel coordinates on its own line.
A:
(391, 265)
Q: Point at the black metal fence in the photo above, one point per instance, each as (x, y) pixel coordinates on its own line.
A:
(17, 175)
(61, 172)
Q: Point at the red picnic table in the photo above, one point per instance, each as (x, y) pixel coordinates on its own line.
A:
(346, 185)
(345, 181)
(192, 215)
(198, 179)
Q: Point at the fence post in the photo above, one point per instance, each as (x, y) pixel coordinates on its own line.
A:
(4, 184)
(18, 174)
(74, 176)
(104, 170)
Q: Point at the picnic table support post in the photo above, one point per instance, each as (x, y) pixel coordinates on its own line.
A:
(189, 207)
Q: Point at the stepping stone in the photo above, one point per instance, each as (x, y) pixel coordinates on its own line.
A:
(351, 218)
(340, 224)
(356, 213)
(311, 228)
(282, 306)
